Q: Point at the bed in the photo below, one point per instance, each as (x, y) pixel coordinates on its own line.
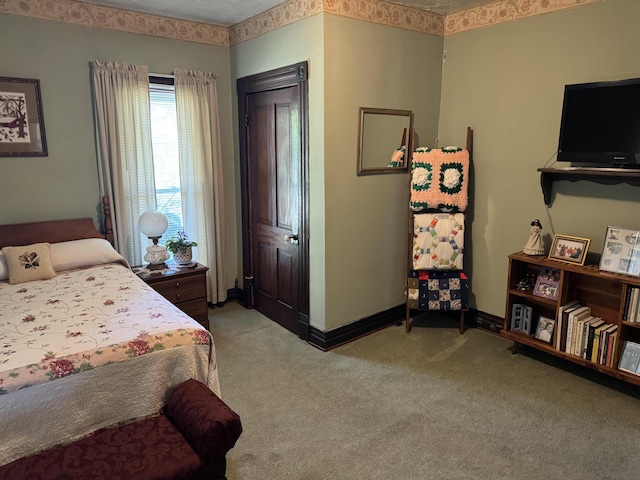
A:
(90, 347)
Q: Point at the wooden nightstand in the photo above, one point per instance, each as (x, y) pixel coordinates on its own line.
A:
(186, 288)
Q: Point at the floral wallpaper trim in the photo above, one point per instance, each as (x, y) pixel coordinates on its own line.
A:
(90, 15)
(279, 16)
(376, 11)
(504, 11)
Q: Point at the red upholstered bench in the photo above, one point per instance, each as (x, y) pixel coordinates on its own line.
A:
(189, 440)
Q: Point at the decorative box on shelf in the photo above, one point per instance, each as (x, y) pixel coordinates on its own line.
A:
(183, 285)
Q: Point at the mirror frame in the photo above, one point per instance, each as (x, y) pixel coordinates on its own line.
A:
(362, 170)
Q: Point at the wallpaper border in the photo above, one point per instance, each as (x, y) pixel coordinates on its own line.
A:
(375, 11)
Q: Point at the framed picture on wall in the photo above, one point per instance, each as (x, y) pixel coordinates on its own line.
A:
(621, 251)
(569, 249)
(21, 121)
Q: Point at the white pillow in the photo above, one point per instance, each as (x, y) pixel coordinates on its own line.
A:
(84, 253)
(26, 263)
(4, 270)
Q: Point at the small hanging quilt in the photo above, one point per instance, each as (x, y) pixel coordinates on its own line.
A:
(439, 179)
(438, 241)
(433, 290)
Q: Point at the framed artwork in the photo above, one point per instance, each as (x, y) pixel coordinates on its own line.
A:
(547, 283)
(521, 318)
(21, 120)
(621, 252)
(544, 331)
(569, 249)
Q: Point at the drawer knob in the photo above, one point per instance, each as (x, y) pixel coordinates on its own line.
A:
(177, 284)
(178, 297)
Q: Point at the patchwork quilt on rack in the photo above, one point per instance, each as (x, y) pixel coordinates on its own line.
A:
(439, 179)
(438, 241)
(437, 290)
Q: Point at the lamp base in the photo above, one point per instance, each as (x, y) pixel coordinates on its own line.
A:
(156, 266)
(156, 256)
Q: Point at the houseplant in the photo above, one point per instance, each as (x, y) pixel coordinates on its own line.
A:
(180, 246)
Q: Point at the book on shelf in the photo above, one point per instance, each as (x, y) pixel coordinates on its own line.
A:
(612, 343)
(604, 343)
(628, 304)
(630, 358)
(604, 340)
(578, 327)
(561, 330)
(572, 327)
(632, 312)
(590, 327)
(635, 299)
(596, 349)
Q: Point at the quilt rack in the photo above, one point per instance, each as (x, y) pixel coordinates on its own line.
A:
(410, 270)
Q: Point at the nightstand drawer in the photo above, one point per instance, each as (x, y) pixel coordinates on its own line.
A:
(185, 294)
(174, 285)
(196, 309)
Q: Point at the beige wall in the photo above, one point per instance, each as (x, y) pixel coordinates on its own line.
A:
(65, 184)
(506, 81)
(370, 65)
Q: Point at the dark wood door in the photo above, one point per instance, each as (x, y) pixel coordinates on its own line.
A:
(274, 172)
(273, 161)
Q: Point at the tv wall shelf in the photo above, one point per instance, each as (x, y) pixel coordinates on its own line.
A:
(607, 176)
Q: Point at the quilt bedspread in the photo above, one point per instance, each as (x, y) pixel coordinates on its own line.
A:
(84, 319)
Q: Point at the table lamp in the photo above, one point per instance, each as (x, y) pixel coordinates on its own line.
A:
(153, 225)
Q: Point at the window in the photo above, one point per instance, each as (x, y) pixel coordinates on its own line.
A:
(164, 139)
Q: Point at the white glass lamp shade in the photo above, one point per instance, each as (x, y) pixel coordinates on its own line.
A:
(153, 224)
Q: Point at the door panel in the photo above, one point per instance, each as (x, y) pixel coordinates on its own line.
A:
(273, 168)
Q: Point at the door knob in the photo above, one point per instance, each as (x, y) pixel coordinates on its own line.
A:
(293, 238)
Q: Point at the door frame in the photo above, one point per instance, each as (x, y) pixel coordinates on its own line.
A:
(295, 75)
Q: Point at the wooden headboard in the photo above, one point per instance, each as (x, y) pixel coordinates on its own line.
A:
(55, 231)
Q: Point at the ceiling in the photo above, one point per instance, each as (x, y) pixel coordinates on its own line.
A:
(229, 12)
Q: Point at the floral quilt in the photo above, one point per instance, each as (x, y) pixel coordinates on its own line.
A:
(81, 320)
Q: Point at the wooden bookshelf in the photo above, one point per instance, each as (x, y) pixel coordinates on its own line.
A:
(605, 293)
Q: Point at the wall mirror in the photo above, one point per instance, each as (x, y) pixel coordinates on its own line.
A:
(382, 131)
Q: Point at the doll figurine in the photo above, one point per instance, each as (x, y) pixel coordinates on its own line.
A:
(534, 244)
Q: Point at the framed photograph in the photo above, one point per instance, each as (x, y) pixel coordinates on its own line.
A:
(621, 251)
(547, 283)
(569, 249)
(521, 318)
(21, 120)
(544, 331)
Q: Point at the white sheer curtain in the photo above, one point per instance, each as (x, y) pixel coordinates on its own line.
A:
(123, 140)
(201, 173)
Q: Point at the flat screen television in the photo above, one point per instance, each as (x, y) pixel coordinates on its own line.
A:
(600, 124)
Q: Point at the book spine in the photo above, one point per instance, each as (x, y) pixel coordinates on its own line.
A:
(584, 340)
(567, 342)
(611, 343)
(595, 344)
(633, 314)
(558, 330)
